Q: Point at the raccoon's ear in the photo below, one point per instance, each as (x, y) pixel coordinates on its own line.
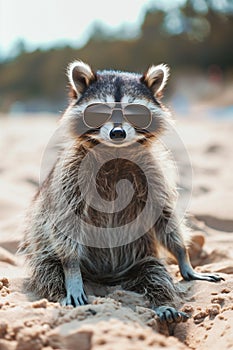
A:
(155, 78)
(80, 77)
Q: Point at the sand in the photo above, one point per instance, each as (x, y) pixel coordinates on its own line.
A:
(120, 320)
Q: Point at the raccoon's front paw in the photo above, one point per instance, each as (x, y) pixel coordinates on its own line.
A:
(75, 297)
(210, 277)
(170, 314)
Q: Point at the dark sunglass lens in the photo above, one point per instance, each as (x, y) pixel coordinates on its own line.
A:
(96, 115)
(138, 115)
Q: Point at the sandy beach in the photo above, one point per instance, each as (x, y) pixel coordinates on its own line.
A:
(121, 320)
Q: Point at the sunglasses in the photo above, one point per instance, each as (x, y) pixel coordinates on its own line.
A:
(97, 114)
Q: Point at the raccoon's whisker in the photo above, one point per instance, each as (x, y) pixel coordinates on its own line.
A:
(104, 127)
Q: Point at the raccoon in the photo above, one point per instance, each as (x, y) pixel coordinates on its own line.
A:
(88, 220)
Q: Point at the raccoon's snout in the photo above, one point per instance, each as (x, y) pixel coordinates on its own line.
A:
(117, 133)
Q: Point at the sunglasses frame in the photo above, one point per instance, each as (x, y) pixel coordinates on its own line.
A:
(115, 107)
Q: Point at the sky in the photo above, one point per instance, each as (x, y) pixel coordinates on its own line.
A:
(45, 23)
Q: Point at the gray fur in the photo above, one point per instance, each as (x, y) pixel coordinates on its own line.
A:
(56, 243)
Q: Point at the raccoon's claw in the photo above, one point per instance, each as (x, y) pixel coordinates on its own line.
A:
(170, 314)
(76, 299)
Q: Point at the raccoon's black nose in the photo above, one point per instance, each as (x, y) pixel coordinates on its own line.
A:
(117, 133)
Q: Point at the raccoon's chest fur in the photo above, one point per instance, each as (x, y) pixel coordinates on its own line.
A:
(117, 194)
(121, 183)
(110, 191)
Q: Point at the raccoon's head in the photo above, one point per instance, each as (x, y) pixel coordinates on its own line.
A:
(116, 108)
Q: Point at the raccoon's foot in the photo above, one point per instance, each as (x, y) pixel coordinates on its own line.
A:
(75, 295)
(189, 274)
(170, 314)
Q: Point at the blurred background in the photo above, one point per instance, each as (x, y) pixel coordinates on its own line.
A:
(39, 39)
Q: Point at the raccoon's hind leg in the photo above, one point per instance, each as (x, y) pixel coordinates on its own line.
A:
(75, 294)
(47, 278)
(150, 278)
